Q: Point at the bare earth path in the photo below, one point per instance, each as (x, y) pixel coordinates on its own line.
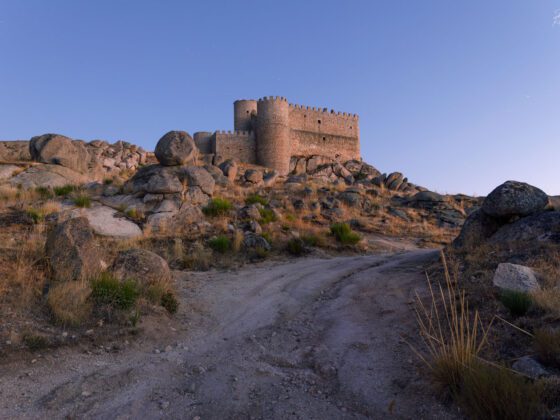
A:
(306, 339)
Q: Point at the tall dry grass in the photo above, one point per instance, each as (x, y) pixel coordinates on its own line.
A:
(452, 335)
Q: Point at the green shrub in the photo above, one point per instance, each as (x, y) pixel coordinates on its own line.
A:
(35, 342)
(217, 207)
(343, 234)
(267, 236)
(220, 243)
(290, 218)
(63, 191)
(170, 302)
(108, 181)
(518, 303)
(295, 246)
(310, 240)
(267, 216)
(37, 216)
(44, 192)
(107, 290)
(255, 198)
(82, 200)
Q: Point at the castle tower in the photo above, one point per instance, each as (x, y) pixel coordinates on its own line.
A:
(242, 110)
(273, 134)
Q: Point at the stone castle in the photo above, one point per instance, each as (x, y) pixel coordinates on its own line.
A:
(270, 131)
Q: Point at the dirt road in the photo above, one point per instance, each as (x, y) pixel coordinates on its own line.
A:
(306, 339)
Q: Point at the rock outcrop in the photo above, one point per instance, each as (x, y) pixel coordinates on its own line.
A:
(59, 150)
(515, 277)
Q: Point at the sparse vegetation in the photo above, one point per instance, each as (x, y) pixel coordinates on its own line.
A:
(255, 198)
(547, 346)
(220, 243)
(344, 234)
(69, 302)
(217, 207)
(518, 303)
(35, 342)
(64, 191)
(170, 302)
(82, 200)
(108, 290)
(296, 246)
(267, 216)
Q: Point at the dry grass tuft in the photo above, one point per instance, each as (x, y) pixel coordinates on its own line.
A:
(69, 302)
(453, 337)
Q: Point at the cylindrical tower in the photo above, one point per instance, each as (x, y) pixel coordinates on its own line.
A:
(203, 140)
(273, 134)
(242, 111)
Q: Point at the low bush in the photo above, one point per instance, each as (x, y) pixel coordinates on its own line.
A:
(63, 191)
(255, 198)
(311, 239)
(35, 342)
(170, 302)
(69, 302)
(547, 346)
(220, 244)
(518, 303)
(44, 192)
(490, 392)
(217, 207)
(82, 200)
(267, 216)
(344, 234)
(296, 246)
(36, 215)
(108, 290)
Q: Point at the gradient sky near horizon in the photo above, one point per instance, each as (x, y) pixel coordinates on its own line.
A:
(458, 95)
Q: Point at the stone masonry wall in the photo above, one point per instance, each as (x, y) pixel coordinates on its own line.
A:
(235, 145)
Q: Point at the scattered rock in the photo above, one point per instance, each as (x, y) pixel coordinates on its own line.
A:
(229, 169)
(199, 177)
(254, 241)
(253, 176)
(515, 277)
(530, 367)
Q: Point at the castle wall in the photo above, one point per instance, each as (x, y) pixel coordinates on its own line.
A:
(235, 145)
(306, 143)
(243, 111)
(317, 131)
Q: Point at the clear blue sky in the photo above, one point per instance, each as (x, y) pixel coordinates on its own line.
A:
(458, 95)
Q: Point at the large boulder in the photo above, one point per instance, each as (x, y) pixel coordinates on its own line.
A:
(543, 227)
(514, 198)
(48, 176)
(515, 277)
(106, 222)
(476, 230)
(142, 266)
(176, 148)
(72, 251)
(253, 176)
(59, 150)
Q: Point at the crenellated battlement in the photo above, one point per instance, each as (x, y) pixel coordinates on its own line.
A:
(324, 111)
(273, 98)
